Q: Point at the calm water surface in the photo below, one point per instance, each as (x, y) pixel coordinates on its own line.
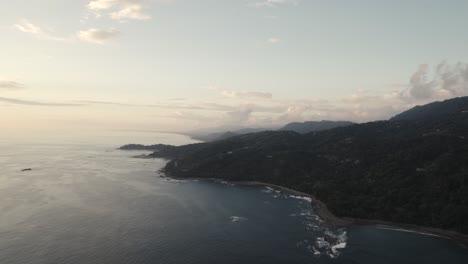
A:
(87, 202)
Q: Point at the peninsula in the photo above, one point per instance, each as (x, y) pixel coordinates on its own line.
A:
(411, 169)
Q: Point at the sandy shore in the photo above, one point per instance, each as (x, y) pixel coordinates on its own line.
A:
(423, 230)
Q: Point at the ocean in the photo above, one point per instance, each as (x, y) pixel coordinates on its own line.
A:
(85, 201)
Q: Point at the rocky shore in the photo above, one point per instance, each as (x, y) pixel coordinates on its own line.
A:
(330, 220)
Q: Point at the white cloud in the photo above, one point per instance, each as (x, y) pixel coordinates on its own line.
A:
(247, 94)
(27, 27)
(240, 116)
(421, 88)
(92, 35)
(10, 85)
(273, 40)
(98, 36)
(119, 9)
(446, 81)
(130, 12)
(102, 4)
(274, 3)
(34, 103)
(426, 84)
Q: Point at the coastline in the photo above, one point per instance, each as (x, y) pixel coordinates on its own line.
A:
(411, 228)
(331, 220)
(319, 207)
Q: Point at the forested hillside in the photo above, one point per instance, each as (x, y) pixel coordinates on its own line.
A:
(410, 171)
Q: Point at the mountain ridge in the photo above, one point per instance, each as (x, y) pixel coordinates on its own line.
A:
(407, 171)
(314, 126)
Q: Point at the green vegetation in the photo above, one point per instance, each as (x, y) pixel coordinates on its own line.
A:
(408, 170)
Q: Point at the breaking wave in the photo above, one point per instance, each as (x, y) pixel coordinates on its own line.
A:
(325, 241)
(237, 218)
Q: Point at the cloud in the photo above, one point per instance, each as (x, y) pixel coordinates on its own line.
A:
(273, 40)
(240, 116)
(421, 88)
(103, 103)
(241, 94)
(92, 35)
(191, 116)
(10, 85)
(36, 103)
(27, 27)
(453, 78)
(199, 106)
(247, 94)
(134, 11)
(98, 36)
(102, 4)
(446, 81)
(120, 9)
(425, 85)
(274, 3)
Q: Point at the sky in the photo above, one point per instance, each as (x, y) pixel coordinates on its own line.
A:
(178, 65)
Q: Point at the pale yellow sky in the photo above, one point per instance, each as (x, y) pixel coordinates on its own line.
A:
(85, 65)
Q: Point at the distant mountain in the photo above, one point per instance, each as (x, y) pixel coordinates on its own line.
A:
(435, 110)
(301, 128)
(208, 137)
(156, 147)
(412, 169)
(213, 136)
(313, 126)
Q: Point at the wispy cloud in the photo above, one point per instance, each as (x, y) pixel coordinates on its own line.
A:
(231, 110)
(120, 9)
(237, 116)
(90, 102)
(98, 36)
(240, 116)
(195, 106)
(247, 94)
(34, 103)
(198, 106)
(10, 85)
(274, 3)
(92, 35)
(26, 26)
(240, 94)
(273, 40)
